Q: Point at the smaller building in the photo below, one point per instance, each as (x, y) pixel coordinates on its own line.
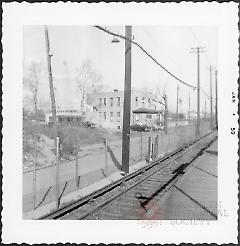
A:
(72, 117)
(150, 117)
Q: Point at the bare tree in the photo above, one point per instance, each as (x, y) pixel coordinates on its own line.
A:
(161, 98)
(88, 81)
(31, 81)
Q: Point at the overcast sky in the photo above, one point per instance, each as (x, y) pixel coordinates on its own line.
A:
(170, 45)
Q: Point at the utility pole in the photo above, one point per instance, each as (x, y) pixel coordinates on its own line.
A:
(177, 106)
(216, 86)
(198, 50)
(127, 101)
(54, 117)
(211, 109)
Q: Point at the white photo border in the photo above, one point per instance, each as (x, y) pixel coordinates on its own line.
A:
(15, 16)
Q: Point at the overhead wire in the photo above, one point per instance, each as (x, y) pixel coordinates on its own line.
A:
(199, 43)
(144, 51)
(151, 57)
(207, 58)
(150, 37)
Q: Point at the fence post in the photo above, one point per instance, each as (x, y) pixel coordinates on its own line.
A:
(106, 157)
(149, 149)
(34, 178)
(57, 174)
(77, 176)
(152, 148)
(159, 139)
(156, 147)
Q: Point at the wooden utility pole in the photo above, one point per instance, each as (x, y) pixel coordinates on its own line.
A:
(198, 50)
(216, 86)
(54, 117)
(211, 107)
(127, 101)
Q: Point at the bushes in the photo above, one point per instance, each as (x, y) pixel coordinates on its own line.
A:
(70, 137)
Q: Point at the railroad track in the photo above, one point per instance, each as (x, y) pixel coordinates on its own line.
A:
(131, 196)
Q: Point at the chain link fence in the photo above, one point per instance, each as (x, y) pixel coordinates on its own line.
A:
(97, 162)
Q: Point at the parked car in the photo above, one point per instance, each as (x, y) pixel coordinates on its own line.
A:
(138, 127)
(157, 128)
(88, 124)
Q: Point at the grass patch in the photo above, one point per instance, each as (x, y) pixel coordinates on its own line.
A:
(70, 137)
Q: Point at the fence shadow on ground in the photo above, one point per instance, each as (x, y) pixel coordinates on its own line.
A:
(114, 159)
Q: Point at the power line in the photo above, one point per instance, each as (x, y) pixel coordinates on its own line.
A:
(199, 43)
(150, 56)
(198, 50)
(150, 37)
(205, 93)
(157, 45)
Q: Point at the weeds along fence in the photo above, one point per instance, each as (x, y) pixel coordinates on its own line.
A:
(98, 162)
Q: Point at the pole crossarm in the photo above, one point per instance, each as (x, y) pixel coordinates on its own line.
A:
(144, 51)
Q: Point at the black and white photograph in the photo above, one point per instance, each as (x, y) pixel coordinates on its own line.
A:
(105, 122)
(121, 123)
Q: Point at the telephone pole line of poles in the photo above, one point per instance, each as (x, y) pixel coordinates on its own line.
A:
(54, 117)
(127, 102)
(198, 50)
(211, 107)
(216, 87)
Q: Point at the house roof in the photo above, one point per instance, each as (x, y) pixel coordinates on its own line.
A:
(146, 111)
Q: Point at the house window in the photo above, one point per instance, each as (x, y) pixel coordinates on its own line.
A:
(111, 116)
(118, 101)
(118, 116)
(100, 102)
(136, 101)
(104, 115)
(118, 127)
(143, 99)
(111, 101)
(149, 100)
(104, 102)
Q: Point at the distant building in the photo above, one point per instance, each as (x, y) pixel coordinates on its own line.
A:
(65, 116)
(193, 115)
(108, 108)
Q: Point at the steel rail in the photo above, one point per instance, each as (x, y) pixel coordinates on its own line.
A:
(97, 208)
(100, 192)
(131, 186)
